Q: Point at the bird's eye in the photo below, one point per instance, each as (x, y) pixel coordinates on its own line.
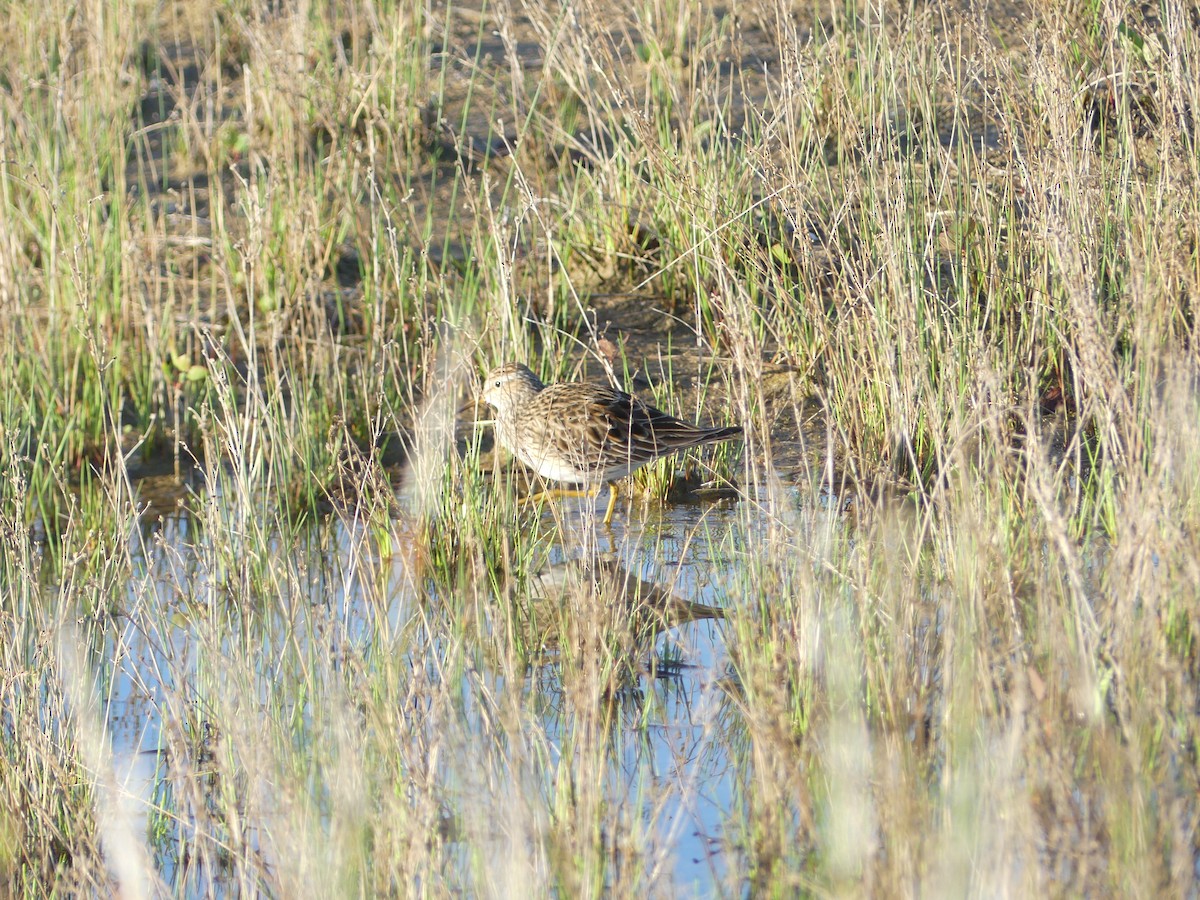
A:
(497, 383)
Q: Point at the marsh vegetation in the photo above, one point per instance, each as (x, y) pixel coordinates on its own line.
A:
(276, 617)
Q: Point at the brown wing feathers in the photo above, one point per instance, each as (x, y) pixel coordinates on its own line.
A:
(642, 432)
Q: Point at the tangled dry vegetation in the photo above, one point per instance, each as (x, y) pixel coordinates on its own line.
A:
(940, 259)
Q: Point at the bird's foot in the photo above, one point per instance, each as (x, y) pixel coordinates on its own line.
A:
(557, 493)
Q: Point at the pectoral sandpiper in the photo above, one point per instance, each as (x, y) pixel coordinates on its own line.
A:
(584, 434)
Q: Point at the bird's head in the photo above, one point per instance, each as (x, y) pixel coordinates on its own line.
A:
(509, 386)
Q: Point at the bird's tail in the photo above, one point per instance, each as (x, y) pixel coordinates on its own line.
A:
(721, 434)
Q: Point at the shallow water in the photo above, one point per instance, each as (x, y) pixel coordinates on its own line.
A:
(668, 761)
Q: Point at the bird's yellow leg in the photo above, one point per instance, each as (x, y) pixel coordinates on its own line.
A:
(612, 502)
(550, 493)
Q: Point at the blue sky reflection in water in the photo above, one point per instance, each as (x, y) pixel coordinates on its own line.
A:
(667, 758)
